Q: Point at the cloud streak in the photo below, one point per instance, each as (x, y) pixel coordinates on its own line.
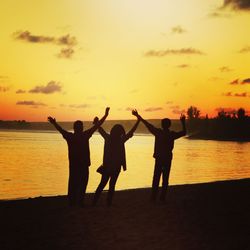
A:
(50, 88)
(66, 40)
(177, 110)
(183, 66)
(66, 53)
(4, 89)
(20, 91)
(26, 36)
(240, 82)
(167, 52)
(30, 103)
(178, 30)
(230, 94)
(246, 49)
(246, 81)
(79, 106)
(237, 4)
(75, 106)
(152, 109)
(224, 69)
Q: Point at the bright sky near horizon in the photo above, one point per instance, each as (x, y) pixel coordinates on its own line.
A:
(72, 58)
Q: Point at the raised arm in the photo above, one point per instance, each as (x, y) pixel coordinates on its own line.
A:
(98, 122)
(132, 130)
(183, 132)
(103, 133)
(57, 126)
(152, 129)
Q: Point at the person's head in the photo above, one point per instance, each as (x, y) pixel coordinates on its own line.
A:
(78, 126)
(165, 123)
(117, 131)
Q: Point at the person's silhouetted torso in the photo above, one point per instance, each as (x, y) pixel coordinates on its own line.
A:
(164, 143)
(78, 147)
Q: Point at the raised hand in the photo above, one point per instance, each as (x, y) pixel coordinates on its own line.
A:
(52, 120)
(107, 111)
(135, 113)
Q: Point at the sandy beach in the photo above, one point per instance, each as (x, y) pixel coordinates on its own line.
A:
(199, 216)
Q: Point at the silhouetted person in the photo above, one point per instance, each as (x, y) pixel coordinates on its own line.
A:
(114, 158)
(164, 144)
(79, 157)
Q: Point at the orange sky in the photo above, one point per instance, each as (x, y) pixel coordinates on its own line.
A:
(71, 59)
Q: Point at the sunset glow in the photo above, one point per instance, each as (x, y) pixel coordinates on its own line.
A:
(71, 59)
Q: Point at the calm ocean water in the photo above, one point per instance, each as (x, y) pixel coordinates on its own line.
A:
(35, 163)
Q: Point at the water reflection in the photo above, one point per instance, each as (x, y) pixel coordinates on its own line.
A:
(34, 164)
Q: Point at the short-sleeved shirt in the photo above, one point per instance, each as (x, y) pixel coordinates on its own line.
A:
(78, 147)
(164, 143)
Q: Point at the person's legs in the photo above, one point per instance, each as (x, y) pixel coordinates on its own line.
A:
(112, 183)
(165, 178)
(82, 184)
(156, 180)
(100, 187)
(72, 186)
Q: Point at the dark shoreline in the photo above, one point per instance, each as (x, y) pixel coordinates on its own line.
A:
(196, 216)
(145, 133)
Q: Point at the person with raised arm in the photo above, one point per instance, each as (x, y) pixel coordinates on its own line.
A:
(113, 159)
(79, 157)
(164, 144)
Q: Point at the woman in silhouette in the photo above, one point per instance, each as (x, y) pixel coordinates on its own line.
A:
(114, 158)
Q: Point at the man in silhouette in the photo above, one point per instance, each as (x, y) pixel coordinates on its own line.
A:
(164, 144)
(79, 157)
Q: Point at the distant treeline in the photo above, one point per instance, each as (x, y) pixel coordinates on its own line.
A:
(233, 125)
(128, 124)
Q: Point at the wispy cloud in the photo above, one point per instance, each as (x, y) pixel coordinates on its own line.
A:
(65, 40)
(246, 81)
(79, 106)
(133, 91)
(235, 82)
(4, 89)
(20, 91)
(183, 66)
(169, 102)
(244, 94)
(219, 14)
(177, 110)
(66, 53)
(182, 51)
(28, 37)
(3, 77)
(241, 82)
(237, 4)
(245, 49)
(152, 109)
(178, 30)
(75, 106)
(30, 103)
(230, 94)
(224, 69)
(50, 88)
